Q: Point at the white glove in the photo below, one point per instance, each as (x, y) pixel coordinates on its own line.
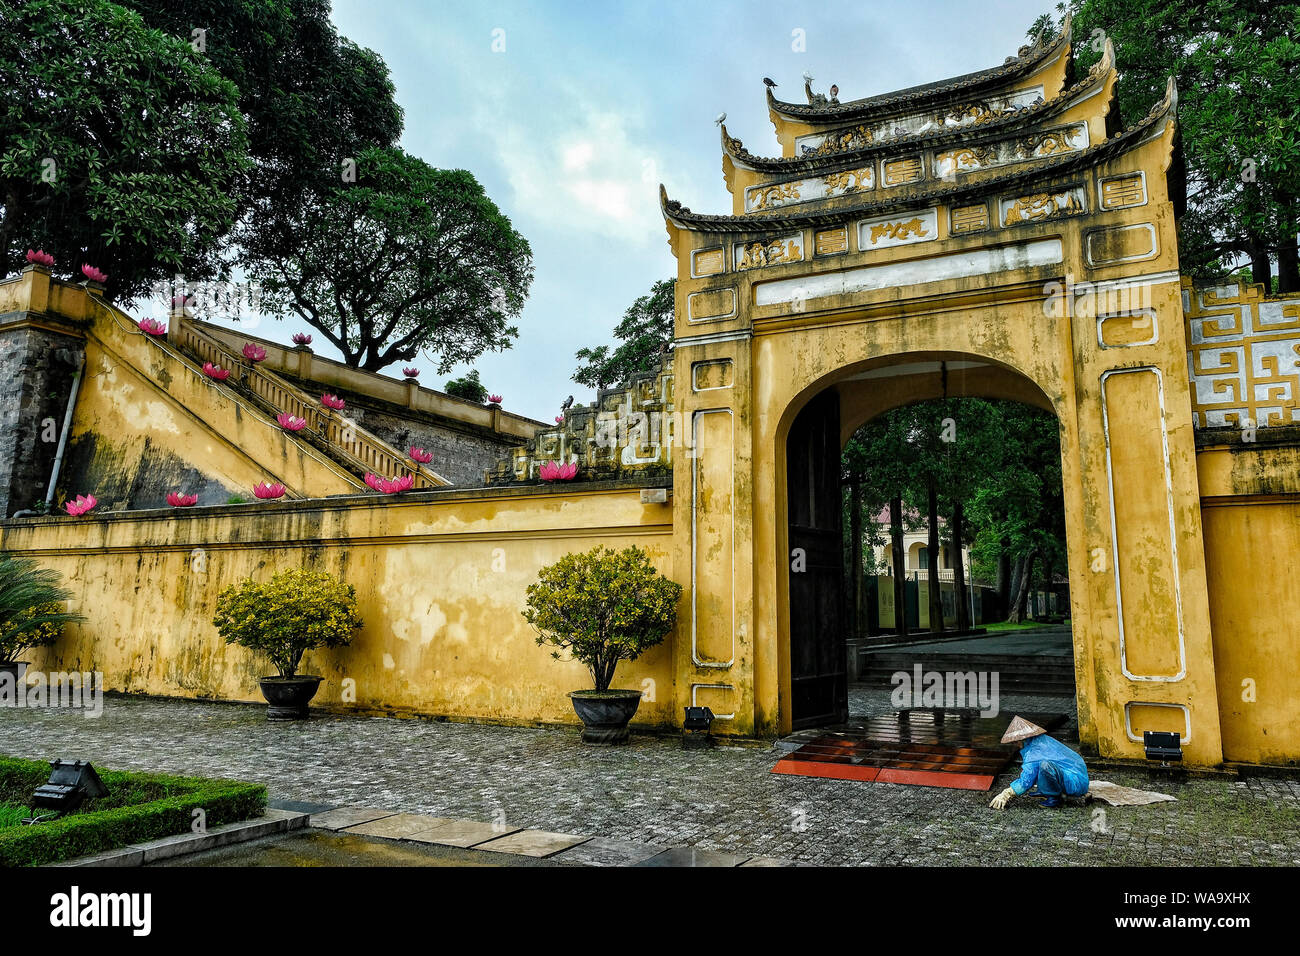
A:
(1002, 799)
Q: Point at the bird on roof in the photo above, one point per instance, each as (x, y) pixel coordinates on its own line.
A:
(568, 403)
(769, 82)
(722, 118)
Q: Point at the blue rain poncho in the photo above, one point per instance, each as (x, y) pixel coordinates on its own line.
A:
(1037, 750)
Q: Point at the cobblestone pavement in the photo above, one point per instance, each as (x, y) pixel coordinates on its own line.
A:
(654, 792)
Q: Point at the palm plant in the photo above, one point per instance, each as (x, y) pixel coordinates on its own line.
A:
(31, 606)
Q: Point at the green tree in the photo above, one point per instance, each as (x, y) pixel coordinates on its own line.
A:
(32, 601)
(467, 387)
(645, 333)
(1237, 66)
(119, 146)
(602, 607)
(407, 260)
(310, 99)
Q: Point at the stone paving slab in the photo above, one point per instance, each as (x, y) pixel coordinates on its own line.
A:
(692, 856)
(538, 843)
(273, 821)
(340, 818)
(767, 861)
(398, 826)
(462, 833)
(654, 793)
(602, 851)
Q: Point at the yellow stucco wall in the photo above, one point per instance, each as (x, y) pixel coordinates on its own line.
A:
(440, 580)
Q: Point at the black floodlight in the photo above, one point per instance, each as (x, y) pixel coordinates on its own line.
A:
(696, 728)
(1164, 746)
(71, 783)
(698, 718)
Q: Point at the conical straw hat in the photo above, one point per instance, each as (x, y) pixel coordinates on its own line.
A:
(1021, 729)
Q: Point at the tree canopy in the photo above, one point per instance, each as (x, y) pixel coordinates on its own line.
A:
(1237, 66)
(120, 146)
(407, 260)
(644, 334)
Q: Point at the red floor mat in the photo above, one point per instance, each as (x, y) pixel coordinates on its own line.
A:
(925, 748)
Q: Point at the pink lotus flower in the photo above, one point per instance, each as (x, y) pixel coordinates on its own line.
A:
(494, 399)
(80, 505)
(215, 372)
(333, 401)
(152, 327)
(93, 274)
(254, 353)
(411, 372)
(420, 455)
(559, 419)
(554, 471)
(390, 486)
(179, 499)
(40, 258)
(301, 338)
(289, 423)
(264, 490)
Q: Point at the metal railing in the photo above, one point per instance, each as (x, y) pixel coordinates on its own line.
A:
(363, 449)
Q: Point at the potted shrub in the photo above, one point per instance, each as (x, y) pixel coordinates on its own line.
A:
(31, 611)
(295, 612)
(602, 607)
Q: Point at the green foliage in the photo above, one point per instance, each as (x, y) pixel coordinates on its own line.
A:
(407, 260)
(309, 97)
(236, 500)
(468, 388)
(646, 329)
(1003, 463)
(1237, 66)
(602, 607)
(31, 606)
(147, 142)
(296, 611)
(139, 807)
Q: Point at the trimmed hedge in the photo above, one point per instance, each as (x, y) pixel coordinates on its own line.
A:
(92, 830)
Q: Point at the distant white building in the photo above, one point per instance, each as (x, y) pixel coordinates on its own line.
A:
(916, 548)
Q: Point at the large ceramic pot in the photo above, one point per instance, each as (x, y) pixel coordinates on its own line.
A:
(605, 714)
(288, 697)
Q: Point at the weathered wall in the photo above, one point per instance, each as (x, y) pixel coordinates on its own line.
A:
(440, 578)
(38, 361)
(1250, 506)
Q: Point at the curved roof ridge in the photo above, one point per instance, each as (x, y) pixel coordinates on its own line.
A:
(675, 212)
(1028, 57)
(980, 132)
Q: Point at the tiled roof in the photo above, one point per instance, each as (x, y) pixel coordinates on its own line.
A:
(971, 133)
(684, 217)
(914, 97)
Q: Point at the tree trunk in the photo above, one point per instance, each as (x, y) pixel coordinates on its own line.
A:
(855, 576)
(959, 569)
(1004, 577)
(932, 545)
(899, 559)
(1017, 613)
(1288, 262)
(1261, 268)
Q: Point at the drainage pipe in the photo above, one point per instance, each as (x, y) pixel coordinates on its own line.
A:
(63, 435)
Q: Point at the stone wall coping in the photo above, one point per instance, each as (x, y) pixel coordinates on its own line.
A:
(362, 500)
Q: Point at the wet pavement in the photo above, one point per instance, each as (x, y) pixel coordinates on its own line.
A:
(654, 793)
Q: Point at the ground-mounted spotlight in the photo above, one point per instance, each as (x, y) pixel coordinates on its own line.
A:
(695, 728)
(1164, 747)
(71, 783)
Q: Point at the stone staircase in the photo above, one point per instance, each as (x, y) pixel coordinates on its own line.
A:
(1046, 674)
(349, 445)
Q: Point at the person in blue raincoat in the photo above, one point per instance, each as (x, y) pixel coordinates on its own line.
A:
(1054, 768)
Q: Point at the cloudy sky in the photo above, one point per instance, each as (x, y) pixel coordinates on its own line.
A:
(590, 105)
